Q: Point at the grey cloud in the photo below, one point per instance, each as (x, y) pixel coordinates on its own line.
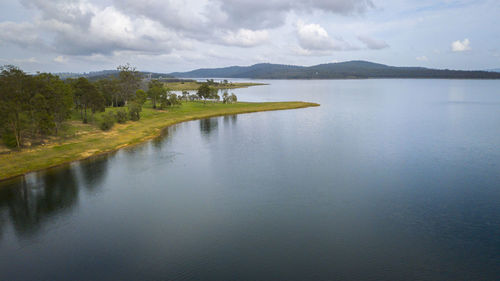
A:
(22, 34)
(80, 27)
(202, 19)
(372, 43)
(268, 14)
(66, 11)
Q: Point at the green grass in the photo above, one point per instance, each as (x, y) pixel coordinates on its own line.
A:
(79, 141)
(192, 86)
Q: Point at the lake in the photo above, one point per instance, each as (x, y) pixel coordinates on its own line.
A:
(387, 180)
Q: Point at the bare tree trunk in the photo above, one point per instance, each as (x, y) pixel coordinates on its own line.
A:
(85, 119)
(16, 133)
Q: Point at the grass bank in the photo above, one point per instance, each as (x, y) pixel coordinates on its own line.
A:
(192, 86)
(88, 140)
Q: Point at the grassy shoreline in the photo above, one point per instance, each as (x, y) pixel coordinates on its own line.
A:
(193, 86)
(94, 142)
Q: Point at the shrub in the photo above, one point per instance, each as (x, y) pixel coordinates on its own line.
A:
(134, 111)
(107, 121)
(121, 116)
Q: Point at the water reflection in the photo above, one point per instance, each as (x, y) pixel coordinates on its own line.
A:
(230, 119)
(94, 171)
(31, 200)
(208, 126)
(164, 137)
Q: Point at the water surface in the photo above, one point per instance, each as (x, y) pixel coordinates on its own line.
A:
(386, 180)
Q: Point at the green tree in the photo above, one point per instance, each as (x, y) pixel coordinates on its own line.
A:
(140, 96)
(42, 121)
(134, 110)
(15, 92)
(185, 95)
(214, 94)
(58, 98)
(225, 97)
(233, 98)
(87, 97)
(164, 99)
(110, 89)
(129, 81)
(204, 91)
(107, 121)
(155, 91)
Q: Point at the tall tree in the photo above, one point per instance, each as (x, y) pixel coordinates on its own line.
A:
(110, 89)
(129, 80)
(87, 97)
(155, 91)
(57, 96)
(204, 91)
(15, 93)
(140, 97)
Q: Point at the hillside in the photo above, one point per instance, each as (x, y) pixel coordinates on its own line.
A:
(342, 70)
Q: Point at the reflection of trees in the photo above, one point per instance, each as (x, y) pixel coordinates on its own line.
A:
(28, 203)
(94, 170)
(207, 126)
(230, 119)
(164, 136)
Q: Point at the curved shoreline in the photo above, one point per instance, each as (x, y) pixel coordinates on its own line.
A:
(146, 129)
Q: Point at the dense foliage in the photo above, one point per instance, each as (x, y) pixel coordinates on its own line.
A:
(36, 106)
(33, 107)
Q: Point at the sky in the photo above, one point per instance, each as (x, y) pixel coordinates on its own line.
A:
(181, 35)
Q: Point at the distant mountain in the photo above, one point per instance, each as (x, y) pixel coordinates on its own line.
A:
(341, 70)
(494, 70)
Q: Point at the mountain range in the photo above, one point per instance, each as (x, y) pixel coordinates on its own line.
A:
(341, 70)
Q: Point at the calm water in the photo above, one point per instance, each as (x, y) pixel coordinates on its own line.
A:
(387, 180)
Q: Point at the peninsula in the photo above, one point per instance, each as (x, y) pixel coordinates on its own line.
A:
(86, 140)
(46, 121)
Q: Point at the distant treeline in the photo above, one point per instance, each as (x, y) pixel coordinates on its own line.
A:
(103, 74)
(343, 70)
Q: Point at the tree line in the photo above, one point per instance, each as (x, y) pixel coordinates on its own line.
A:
(34, 106)
(37, 106)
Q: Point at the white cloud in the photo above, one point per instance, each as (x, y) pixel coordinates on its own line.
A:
(461, 46)
(372, 43)
(422, 58)
(246, 37)
(313, 37)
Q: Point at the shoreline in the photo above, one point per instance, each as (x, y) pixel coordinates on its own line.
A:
(193, 86)
(147, 129)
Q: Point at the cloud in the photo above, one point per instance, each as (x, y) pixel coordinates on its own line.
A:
(422, 58)
(23, 34)
(81, 28)
(461, 46)
(246, 37)
(196, 18)
(372, 43)
(90, 27)
(313, 37)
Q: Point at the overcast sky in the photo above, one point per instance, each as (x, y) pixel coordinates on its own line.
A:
(180, 35)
